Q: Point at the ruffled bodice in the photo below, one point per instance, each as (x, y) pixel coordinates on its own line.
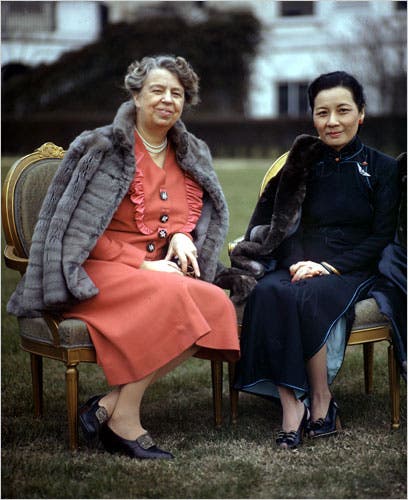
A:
(159, 203)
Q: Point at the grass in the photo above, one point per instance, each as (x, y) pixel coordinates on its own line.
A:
(366, 461)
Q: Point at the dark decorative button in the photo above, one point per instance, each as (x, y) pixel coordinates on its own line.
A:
(163, 195)
(164, 218)
(162, 233)
(150, 247)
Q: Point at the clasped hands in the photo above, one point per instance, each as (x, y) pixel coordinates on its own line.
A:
(306, 269)
(182, 249)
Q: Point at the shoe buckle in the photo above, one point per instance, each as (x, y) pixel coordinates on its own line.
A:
(101, 414)
(145, 441)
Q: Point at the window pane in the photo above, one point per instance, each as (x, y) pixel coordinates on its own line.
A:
(283, 99)
(296, 8)
(293, 99)
(400, 5)
(27, 17)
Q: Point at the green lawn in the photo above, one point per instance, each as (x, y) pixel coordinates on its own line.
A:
(366, 461)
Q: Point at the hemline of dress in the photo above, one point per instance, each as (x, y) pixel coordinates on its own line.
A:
(339, 354)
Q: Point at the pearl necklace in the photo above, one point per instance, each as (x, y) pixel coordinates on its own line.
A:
(151, 147)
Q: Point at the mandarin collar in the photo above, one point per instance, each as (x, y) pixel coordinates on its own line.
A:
(349, 150)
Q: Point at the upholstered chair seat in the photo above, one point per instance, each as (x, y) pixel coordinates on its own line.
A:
(367, 315)
(72, 333)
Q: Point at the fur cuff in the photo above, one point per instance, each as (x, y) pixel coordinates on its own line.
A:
(239, 283)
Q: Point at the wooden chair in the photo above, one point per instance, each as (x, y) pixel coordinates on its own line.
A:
(369, 327)
(49, 336)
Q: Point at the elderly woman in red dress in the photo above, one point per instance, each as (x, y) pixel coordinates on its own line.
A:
(134, 214)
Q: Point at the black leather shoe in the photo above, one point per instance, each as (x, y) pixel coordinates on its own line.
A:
(328, 425)
(91, 418)
(143, 447)
(293, 439)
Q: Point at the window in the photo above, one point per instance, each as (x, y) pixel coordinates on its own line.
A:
(296, 8)
(27, 17)
(293, 99)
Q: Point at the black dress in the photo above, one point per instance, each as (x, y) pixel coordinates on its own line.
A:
(348, 216)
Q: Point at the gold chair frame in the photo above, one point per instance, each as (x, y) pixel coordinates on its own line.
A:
(366, 337)
(17, 259)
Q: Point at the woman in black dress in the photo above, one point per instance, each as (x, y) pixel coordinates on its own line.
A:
(314, 240)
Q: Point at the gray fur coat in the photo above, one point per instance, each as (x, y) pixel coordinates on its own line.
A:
(88, 187)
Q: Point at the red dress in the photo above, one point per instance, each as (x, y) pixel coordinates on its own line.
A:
(140, 319)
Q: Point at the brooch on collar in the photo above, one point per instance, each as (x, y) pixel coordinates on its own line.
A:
(362, 170)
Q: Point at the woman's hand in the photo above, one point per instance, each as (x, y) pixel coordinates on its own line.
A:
(306, 269)
(185, 251)
(164, 266)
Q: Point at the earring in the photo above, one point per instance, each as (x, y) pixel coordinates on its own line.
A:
(360, 121)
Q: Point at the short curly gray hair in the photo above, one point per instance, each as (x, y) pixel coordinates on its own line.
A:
(138, 71)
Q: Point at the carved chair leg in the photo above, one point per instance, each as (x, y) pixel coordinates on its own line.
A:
(368, 366)
(394, 376)
(37, 381)
(71, 380)
(216, 376)
(233, 394)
